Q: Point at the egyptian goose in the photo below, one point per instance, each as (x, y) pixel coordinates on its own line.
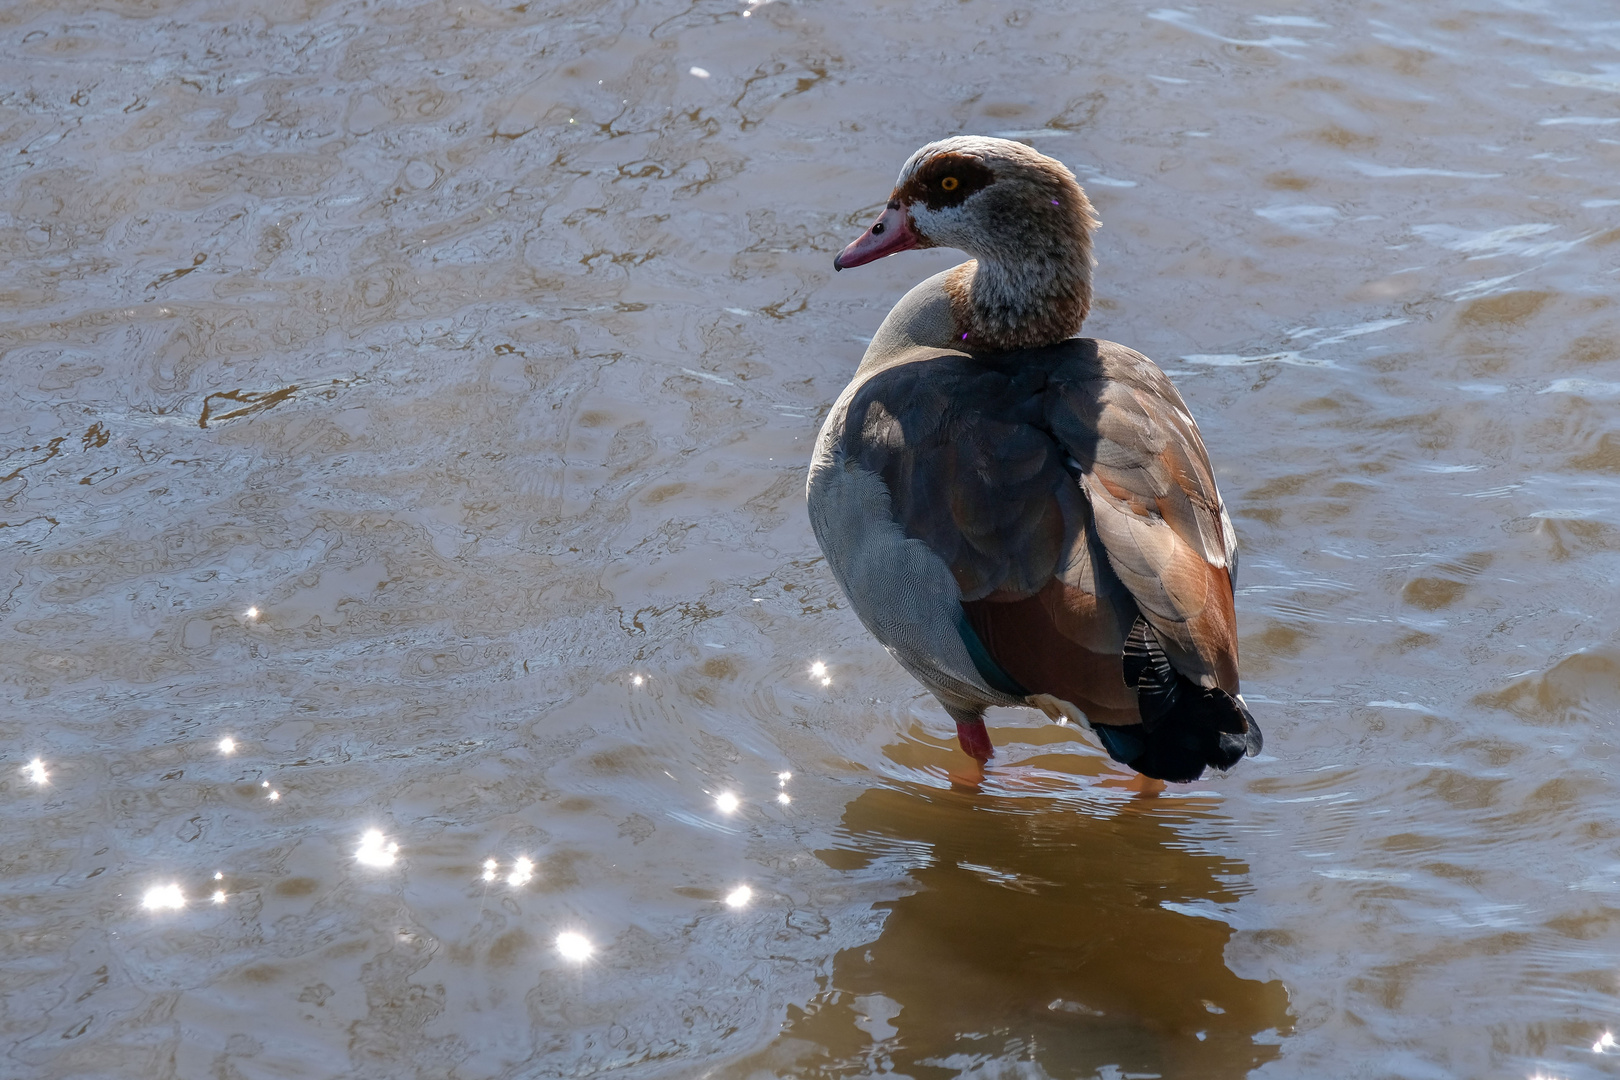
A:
(1022, 516)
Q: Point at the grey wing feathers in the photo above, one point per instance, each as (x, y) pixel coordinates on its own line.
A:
(1158, 512)
(977, 485)
(1064, 488)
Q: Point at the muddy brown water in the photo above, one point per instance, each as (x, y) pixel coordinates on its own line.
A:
(478, 350)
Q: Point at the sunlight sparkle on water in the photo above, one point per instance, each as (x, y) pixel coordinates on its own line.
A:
(219, 896)
(782, 798)
(783, 777)
(374, 850)
(227, 745)
(219, 875)
(636, 680)
(163, 898)
(818, 669)
(490, 866)
(700, 73)
(1605, 1042)
(274, 795)
(727, 802)
(522, 871)
(252, 613)
(36, 771)
(739, 896)
(575, 947)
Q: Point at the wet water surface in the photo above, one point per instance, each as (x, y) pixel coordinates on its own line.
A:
(419, 397)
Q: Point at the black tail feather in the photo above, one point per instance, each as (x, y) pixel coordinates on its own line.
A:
(1185, 727)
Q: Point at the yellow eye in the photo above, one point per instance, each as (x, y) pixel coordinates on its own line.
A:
(948, 184)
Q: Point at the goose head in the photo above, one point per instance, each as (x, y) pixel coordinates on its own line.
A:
(1020, 214)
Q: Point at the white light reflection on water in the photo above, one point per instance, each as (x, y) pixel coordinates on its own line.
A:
(739, 896)
(490, 866)
(36, 771)
(575, 947)
(1605, 1042)
(251, 613)
(164, 898)
(783, 798)
(637, 680)
(227, 745)
(219, 896)
(375, 850)
(522, 872)
(727, 802)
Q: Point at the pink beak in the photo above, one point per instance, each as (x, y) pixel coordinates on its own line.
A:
(889, 234)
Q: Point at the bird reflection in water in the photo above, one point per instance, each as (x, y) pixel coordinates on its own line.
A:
(1037, 931)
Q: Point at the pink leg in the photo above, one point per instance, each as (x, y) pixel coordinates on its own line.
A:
(975, 740)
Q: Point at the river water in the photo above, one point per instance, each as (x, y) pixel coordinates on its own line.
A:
(419, 396)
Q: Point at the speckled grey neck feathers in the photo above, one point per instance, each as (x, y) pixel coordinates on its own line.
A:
(1028, 224)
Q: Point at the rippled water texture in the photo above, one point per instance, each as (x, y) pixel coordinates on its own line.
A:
(419, 396)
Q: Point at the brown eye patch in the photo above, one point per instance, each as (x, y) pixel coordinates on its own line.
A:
(946, 180)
